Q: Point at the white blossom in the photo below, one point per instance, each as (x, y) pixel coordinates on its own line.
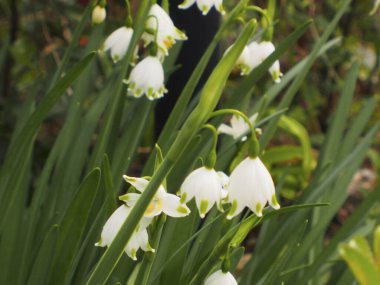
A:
(118, 42)
(221, 278)
(251, 186)
(147, 77)
(254, 54)
(98, 14)
(206, 185)
(161, 24)
(162, 202)
(238, 127)
(139, 238)
(204, 5)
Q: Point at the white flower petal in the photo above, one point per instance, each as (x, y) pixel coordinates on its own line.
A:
(205, 185)
(118, 42)
(113, 225)
(251, 185)
(172, 206)
(221, 278)
(139, 183)
(186, 4)
(147, 77)
(130, 198)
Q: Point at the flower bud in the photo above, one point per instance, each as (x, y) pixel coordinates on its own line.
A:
(98, 14)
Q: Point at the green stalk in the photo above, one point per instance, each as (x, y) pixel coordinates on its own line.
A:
(209, 99)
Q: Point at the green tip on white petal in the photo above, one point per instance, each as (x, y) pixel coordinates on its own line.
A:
(182, 209)
(203, 208)
(205, 10)
(221, 9)
(133, 254)
(124, 197)
(275, 205)
(232, 210)
(259, 210)
(183, 198)
(129, 178)
(99, 243)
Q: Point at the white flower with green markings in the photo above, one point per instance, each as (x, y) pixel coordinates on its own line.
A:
(162, 202)
(260, 52)
(254, 54)
(118, 42)
(139, 238)
(206, 185)
(238, 127)
(251, 186)
(160, 28)
(147, 77)
(221, 278)
(204, 5)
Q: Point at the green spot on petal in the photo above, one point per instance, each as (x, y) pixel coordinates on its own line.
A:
(183, 198)
(233, 209)
(259, 209)
(275, 204)
(203, 208)
(183, 209)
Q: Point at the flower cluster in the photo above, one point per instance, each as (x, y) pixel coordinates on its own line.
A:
(163, 202)
(147, 77)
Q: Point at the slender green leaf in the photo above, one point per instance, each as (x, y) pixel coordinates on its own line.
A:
(72, 228)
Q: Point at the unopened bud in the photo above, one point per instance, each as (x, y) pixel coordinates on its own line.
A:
(98, 14)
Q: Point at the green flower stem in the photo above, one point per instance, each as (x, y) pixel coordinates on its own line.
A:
(254, 147)
(265, 15)
(129, 20)
(211, 158)
(209, 99)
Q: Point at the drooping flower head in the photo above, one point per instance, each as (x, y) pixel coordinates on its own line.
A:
(160, 28)
(139, 238)
(221, 278)
(251, 186)
(238, 126)
(204, 5)
(147, 77)
(118, 42)
(254, 54)
(206, 185)
(162, 202)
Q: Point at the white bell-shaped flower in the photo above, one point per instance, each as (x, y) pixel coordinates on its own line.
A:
(251, 186)
(162, 202)
(221, 278)
(139, 238)
(243, 61)
(147, 77)
(160, 23)
(258, 53)
(118, 42)
(98, 14)
(206, 186)
(238, 126)
(204, 5)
